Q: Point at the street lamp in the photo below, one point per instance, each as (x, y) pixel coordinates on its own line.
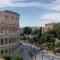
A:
(35, 53)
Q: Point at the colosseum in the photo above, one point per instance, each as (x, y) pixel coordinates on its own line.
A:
(9, 32)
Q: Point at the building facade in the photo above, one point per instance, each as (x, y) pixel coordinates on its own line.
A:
(48, 27)
(9, 32)
(21, 30)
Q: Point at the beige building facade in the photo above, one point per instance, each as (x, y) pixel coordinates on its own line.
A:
(48, 27)
(9, 32)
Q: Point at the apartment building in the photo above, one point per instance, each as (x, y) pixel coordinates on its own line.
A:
(9, 32)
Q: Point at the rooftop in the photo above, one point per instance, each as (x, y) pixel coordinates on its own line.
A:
(7, 11)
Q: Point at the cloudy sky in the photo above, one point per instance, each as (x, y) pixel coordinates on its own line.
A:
(34, 12)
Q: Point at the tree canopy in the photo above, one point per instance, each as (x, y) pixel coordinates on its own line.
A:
(27, 30)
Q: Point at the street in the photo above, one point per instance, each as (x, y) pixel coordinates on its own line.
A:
(40, 55)
(46, 56)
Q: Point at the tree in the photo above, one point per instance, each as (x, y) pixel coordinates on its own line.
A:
(6, 57)
(27, 30)
(52, 32)
(57, 44)
(35, 40)
(21, 34)
(18, 56)
(40, 32)
(57, 30)
(45, 38)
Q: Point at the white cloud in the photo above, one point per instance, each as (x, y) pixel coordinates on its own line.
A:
(51, 17)
(29, 4)
(19, 0)
(56, 1)
(53, 5)
(5, 3)
(9, 3)
(18, 3)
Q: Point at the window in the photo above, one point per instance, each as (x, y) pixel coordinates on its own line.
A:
(6, 51)
(6, 30)
(2, 30)
(16, 18)
(9, 41)
(2, 51)
(6, 41)
(12, 40)
(6, 17)
(2, 41)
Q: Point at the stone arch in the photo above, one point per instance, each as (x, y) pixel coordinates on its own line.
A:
(6, 40)
(2, 41)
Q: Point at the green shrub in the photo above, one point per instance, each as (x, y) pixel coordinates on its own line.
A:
(6, 57)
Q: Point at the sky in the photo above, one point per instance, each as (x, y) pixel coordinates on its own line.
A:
(33, 13)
